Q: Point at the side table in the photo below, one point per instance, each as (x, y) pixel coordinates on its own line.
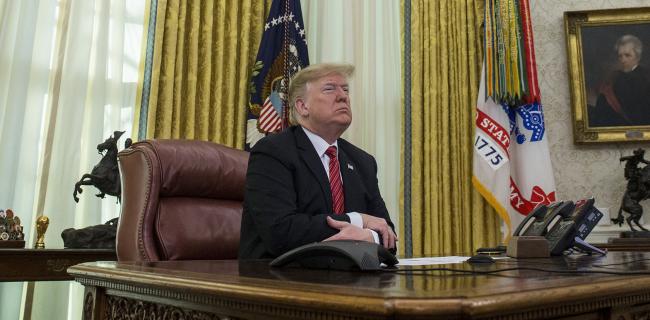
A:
(46, 264)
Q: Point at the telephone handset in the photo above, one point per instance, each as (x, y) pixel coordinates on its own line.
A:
(537, 213)
(561, 236)
(543, 216)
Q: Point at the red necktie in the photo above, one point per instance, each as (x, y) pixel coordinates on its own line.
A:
(336, 185)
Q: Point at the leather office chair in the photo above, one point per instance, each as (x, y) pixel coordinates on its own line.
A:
(181, 200)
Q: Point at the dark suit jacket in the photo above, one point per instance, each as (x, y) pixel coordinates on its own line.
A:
(631, 90)
(288, 195)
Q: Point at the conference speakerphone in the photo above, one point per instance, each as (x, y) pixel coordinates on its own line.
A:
(338, 255)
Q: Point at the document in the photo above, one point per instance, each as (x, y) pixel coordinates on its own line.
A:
(431, 260)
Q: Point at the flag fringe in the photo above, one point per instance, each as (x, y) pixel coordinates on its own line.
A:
(501, 211)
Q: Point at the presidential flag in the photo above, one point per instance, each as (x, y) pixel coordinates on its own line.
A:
(512, 165)
(282, 53)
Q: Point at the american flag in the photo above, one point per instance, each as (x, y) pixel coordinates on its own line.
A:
(282, 53)
(269, 120)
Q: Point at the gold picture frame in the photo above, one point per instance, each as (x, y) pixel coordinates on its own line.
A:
(608, 93)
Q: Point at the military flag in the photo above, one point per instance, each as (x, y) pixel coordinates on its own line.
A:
(282, 53)
(512, 165)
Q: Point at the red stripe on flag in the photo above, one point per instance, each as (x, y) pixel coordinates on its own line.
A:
(269, 120)
(533, 95)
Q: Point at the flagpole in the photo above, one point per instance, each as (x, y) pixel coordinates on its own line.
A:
(286, 75)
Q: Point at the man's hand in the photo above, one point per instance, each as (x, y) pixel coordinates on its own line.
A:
(380, 225)
(348, 231)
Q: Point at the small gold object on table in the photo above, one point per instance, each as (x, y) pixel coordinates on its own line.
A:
(41, 227)
(11, 232)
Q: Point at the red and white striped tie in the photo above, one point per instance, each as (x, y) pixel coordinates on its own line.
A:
(336, 185)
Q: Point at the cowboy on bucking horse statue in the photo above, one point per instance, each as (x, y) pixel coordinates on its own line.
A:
(638, 189)
(105, 176)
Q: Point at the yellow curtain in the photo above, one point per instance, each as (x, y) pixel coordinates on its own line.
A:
(203, 53)
(446, 215)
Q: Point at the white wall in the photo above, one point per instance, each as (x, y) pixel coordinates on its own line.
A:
(580, 171)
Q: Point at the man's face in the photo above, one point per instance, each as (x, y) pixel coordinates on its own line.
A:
(327, 103)
(627, 57)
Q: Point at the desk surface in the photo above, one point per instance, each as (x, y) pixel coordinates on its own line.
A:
(250, 289)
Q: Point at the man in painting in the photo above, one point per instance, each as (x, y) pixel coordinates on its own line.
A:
(624, 99)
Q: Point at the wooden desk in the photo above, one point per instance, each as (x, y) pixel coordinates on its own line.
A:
(46, 264)
(252, 290)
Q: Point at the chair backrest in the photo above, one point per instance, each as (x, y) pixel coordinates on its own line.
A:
(181, 200)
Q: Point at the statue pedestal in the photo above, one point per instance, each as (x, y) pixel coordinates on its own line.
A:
(635, 235)
(631, 238)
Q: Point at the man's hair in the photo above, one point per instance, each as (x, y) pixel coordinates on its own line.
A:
(299, 82)
(637, 45)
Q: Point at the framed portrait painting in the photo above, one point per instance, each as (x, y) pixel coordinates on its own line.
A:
(609, 72)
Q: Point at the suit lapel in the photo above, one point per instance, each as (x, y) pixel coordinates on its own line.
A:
(309, 156)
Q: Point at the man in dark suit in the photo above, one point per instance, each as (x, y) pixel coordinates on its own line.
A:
(306, 184)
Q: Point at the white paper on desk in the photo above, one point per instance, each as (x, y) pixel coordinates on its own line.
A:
(431, 260)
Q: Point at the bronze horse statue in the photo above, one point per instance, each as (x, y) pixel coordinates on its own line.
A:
(637, 190)
(105, 176)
